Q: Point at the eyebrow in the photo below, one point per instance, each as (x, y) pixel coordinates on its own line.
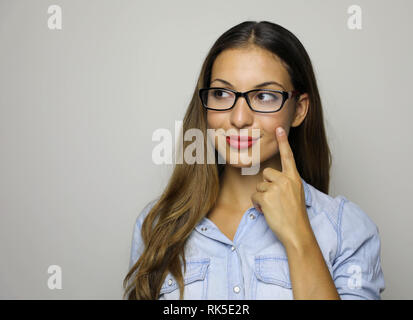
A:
(257, 86)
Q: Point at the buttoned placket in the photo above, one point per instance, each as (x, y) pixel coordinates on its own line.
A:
(238, 289)
(235, 274)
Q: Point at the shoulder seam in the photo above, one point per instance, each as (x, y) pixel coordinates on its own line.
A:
(331, 221)
(339, 231)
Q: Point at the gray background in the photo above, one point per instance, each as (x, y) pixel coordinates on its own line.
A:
(78, 108)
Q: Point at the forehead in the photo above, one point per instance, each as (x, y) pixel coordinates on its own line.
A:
(245, 68)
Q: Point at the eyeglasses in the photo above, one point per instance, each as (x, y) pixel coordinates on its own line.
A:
(259, 100)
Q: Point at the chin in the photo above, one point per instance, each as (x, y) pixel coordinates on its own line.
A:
(242, 164)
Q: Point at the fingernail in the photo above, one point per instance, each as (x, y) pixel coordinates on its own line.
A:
(280, 131)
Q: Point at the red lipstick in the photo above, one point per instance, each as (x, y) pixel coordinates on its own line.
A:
(241, 142)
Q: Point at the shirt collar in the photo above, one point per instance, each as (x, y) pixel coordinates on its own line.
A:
(307, 193)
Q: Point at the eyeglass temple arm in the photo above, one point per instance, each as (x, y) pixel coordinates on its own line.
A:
(293, 93)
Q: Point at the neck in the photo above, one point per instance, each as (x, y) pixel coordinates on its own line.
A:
(236, 189)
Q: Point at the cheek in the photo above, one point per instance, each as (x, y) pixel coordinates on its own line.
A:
(214, 120)
(269, 126)
(269, 144)
(273, 121)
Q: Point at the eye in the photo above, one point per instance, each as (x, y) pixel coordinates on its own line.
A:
(220, 94)
(265, 96)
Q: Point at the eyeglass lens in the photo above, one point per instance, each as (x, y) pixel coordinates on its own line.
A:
(262, 100)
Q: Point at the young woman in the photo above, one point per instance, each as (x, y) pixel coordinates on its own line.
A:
(216, 233)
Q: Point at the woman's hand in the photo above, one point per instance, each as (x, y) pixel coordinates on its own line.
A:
(280, 197)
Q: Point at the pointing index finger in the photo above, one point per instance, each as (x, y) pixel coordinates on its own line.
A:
(286, 154)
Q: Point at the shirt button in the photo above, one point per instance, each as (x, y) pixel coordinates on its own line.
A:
(204, 228)
(252, 216)
(169, 282)
(232, 248)
(236, 289)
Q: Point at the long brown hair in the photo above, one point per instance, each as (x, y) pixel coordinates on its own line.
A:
(193, 189)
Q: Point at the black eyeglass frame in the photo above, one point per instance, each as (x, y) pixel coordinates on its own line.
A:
(286, 95)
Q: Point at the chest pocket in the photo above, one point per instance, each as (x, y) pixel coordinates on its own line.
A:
(271, 278)
(195, 281)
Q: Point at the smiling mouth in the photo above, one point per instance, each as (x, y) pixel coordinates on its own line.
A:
(241, 142)
(242, 138)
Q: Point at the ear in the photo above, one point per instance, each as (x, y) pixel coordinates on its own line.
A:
(301, 109)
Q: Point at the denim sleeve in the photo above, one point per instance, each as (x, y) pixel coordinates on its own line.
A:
(357, 271)
(138, 246)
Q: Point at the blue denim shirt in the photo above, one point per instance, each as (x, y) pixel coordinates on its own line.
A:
(255, 266)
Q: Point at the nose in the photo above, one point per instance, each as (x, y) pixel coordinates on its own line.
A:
(241, 114)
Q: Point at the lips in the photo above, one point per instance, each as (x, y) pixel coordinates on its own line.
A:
(241, 142)
(241, 138)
